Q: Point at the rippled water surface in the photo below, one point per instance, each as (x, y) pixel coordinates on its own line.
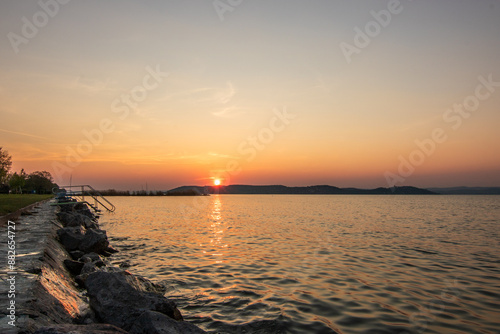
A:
(319, 264)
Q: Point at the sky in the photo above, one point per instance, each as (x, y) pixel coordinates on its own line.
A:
(158, 94)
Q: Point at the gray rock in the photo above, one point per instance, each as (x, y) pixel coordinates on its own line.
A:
(111, 249)
(90, 257)
(119, 298)
(67, 207)
(151, 322)
(65, 217)
(74, 267)
(81, 329)
(88, 268)
(80, 220)
(83, 209)
(71, 237)
(76, 255)
(70, 219)
(94, 241)
(85, 221)
(149, 286)
(100, 264)
(81, 279)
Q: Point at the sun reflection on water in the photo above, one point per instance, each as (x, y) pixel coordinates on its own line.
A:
(217, 229)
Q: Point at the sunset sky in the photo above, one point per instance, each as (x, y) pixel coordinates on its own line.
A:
(120, 94)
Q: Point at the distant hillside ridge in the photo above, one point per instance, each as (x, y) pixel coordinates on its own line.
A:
(467, 190)
(310, 190)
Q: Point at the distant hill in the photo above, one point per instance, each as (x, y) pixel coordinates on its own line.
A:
(186, 191)
(467, 190)
(310, 190)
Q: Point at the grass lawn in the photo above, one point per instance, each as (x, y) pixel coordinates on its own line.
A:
(10, 203)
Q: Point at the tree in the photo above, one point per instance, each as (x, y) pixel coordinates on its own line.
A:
(18, 181)
(40, 182)
(5, 164)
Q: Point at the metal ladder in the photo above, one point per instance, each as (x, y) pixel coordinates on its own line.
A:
(86, 190)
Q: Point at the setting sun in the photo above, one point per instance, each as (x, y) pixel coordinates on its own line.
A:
(217, 182)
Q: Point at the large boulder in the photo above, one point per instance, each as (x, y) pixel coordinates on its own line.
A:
(87, 222)
(67, 207)
(76, 208)
(94, 241)
(90, 267)
(81, 329)
(90, 257)
(111, 250)
(75, 219)
(83, 209)
(76, 255)
(77, 239)
(120, 298)
(65, 217)
(74, 267)
(151, 322)
(71, 237)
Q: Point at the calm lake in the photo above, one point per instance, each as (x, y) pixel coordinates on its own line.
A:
(318, 263)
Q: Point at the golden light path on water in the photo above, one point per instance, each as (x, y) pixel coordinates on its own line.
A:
(217, 230)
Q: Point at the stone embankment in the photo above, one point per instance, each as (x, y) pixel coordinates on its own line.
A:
(65, 284)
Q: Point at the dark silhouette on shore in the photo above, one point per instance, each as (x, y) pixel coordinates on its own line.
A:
(310, 190)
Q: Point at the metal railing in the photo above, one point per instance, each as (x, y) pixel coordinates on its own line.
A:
(87, 190)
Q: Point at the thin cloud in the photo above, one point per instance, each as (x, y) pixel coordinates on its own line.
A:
(226, 96)
(216, 95)
(23, 134)
(92, 86)
(229, 112)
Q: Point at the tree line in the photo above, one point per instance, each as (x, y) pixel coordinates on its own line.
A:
(114, 192)
(39, 182)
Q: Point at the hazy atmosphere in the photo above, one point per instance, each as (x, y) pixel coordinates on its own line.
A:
(124, 94)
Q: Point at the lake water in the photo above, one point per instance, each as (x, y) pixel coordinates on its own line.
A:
(318, 263)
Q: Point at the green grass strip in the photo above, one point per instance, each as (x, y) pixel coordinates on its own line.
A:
(10, 203)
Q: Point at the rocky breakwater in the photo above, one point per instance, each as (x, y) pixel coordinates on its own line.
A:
(108, 299)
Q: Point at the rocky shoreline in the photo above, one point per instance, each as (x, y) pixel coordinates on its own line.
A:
(78, 291)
